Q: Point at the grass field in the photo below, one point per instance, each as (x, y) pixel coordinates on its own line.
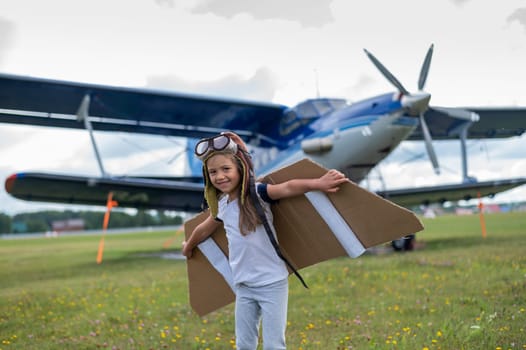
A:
(457, 291)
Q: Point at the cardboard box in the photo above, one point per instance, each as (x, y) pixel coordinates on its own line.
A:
(304, 236)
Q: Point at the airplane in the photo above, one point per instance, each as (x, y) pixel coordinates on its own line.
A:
(352, 137)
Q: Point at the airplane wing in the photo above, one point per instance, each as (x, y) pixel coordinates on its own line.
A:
(494, 122)
(173, 194)
(455, 192)
(44, 102)
(129, 192)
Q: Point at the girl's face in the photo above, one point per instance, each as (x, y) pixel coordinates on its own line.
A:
(224, 174)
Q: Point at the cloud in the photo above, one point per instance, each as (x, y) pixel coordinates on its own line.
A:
(365, 86)
(309, 13)
(459, 2)
(518, 15)
(13, 136)
(261, 86)
(165, 3)
(6, 39)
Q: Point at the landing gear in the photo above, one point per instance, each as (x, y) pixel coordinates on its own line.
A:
(406, 243)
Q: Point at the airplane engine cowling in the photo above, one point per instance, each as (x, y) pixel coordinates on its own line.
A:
(318, 145)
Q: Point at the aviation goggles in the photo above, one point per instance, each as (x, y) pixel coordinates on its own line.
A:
(215, 143)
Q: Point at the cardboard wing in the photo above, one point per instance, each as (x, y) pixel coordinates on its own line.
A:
(310, 229)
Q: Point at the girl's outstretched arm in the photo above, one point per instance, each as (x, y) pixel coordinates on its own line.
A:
(329, 182)
(199, 234)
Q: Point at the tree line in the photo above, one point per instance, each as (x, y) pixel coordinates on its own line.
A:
(42, 221)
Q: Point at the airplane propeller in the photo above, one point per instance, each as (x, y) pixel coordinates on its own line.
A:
(429, 144)
(425, 68)
(418, 103)
(386, 73)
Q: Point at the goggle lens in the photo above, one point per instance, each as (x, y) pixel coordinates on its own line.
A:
(201, 147)
(220, 142)
(216, 143)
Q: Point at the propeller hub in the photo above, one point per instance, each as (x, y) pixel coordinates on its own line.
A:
(416, 104)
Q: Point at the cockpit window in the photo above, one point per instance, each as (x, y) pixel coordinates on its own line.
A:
(318, 107)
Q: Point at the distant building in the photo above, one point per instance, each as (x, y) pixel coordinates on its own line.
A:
(67, 225)
(463, 211)
(492, 208)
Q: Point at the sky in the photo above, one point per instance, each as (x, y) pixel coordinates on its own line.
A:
(271, 51)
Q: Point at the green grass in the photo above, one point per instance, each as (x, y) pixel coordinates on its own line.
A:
(457, 291)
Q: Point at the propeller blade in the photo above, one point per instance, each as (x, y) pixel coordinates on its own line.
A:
(425, 68)
(429, 144)
(386, 73)
(458, 113)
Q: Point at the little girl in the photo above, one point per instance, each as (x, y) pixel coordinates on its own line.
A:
(260, 275)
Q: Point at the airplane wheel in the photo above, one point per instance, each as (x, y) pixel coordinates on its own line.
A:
(398, 244)
(406, 243)
(409, 242)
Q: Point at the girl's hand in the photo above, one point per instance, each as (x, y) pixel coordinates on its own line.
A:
(186, 250)
(331, 181)
(199, 234)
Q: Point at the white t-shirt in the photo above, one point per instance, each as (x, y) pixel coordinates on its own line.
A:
(253, 259)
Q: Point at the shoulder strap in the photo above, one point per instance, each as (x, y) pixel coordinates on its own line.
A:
(261, 212)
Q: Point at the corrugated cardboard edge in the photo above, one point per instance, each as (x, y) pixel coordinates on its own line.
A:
(208, 289)
(303, 235)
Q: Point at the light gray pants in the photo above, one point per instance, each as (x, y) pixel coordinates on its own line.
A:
(267, 304)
